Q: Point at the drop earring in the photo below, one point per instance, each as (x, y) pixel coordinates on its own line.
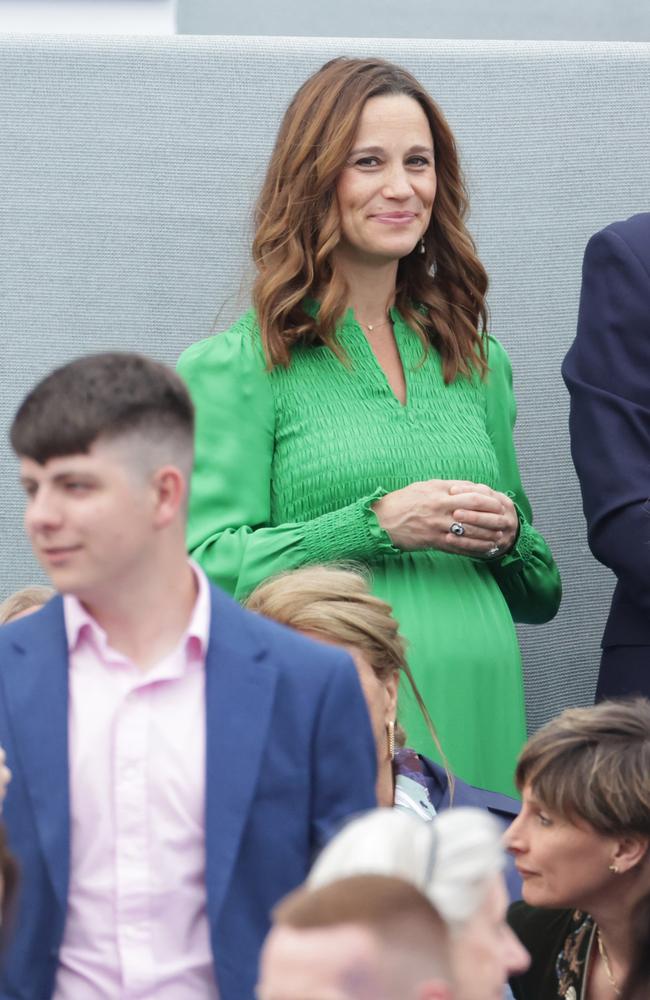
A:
(390, 739)
(423, 247)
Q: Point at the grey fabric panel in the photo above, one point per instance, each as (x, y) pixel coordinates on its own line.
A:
(594, 20)
(128, 168)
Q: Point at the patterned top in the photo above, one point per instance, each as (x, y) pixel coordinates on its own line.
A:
(560, 943)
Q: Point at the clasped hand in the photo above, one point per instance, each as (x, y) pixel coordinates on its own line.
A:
(420, 516)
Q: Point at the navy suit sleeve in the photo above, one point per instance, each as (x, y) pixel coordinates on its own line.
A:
(607, 372)
(344, 758)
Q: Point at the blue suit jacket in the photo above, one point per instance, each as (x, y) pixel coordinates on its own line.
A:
(607, 372)
(290, 754)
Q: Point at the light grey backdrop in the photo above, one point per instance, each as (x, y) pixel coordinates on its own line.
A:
(564, 20)
(128, 168)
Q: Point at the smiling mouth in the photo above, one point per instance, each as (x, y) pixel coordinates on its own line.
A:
(395, 217)
(59, 551)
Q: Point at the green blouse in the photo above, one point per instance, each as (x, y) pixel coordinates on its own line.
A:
(288, 464)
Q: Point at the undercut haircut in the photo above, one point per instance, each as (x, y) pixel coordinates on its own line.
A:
(392, 909)
(594, 764)
(105, 396)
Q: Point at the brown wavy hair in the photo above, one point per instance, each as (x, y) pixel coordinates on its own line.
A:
(440, 293)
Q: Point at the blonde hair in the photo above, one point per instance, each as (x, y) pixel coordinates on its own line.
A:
(335, 602)
(453, 860)
(594, 764)
(27, 599)
(440, 293)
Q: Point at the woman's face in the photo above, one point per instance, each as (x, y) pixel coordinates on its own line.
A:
(387, 187)
(380, 695)
(381, 699)
(485, 952)
(563, 864)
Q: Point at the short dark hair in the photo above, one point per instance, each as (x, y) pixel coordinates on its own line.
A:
(593, 764)
(101, 396)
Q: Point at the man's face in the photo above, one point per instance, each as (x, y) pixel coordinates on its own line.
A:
(330, 963)
(90, 518)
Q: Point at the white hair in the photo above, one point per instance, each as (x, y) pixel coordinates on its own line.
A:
(453, 859)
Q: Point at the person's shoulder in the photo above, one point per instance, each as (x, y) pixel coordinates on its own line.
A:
(497, 355)
(42, 629)
(240, 343)
(499, 365)
(634, 233)
(296, 658)
(495, 802)
(543, 934)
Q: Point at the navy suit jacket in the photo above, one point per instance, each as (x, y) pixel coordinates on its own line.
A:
(607, 372)
(290, 755)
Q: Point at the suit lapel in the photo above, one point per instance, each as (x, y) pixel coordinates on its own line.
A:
(239, 702)
(36, 689)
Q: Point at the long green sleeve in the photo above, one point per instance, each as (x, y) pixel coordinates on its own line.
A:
(229, 531)
(527, 575)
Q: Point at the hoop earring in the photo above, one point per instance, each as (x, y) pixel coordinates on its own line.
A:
(390, 739)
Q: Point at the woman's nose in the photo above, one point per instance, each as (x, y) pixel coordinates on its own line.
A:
(512, 836)
(398, 184)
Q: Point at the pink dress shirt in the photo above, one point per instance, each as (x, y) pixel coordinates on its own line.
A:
(137, 924)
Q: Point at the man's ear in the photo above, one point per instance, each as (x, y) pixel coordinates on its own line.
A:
(630, 852)
(170, 491)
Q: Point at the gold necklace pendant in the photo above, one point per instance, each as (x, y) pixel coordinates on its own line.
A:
(373, 326)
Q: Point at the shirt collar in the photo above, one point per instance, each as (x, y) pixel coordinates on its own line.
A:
(80, 625)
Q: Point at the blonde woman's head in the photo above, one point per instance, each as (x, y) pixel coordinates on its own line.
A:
(334, 604)
(23, 602)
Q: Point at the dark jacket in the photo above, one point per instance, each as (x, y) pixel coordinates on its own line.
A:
(607, 372)
(559, 943)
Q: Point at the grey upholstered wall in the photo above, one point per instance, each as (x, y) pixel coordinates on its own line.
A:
(127, 172)
(594, 20)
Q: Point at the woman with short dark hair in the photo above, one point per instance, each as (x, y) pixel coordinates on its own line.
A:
(581, 844)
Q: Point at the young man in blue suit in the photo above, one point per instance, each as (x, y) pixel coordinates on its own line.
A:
(607, 372)
(176, 760)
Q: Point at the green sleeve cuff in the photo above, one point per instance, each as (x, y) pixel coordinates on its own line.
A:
(524, 547)
(352, 532)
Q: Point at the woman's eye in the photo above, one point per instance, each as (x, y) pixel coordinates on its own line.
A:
(418, 161)
(367, 161)
(544, 820)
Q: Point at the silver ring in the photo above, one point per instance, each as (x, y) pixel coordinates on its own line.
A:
(494, 551)
(457, 528)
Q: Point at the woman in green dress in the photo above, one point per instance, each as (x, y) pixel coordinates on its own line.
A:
(360, 412)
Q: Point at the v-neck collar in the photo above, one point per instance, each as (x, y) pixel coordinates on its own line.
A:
(355, 343)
